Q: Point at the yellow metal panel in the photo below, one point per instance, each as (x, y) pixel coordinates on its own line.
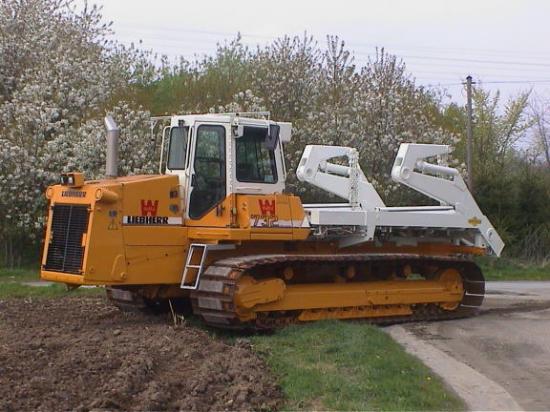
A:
(104, 243)
(158, 197)
(337, 295)
(61, 277)
(213, 234)
(147, 235)
(300, 234)
(271, 234)
(268, 211)
(251, 217)
(154, 264)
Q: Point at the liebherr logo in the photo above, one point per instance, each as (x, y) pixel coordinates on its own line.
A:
(149, 208)
(73, 193)
(267, 207)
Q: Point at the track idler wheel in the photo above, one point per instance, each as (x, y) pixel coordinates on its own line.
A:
(453, 282)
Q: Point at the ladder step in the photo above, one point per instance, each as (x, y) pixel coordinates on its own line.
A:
(195, 251)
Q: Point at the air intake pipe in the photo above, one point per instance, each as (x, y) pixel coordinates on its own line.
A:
(113, 132)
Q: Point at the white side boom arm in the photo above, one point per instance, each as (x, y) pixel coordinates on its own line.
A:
(458, 210)
(348, 182)
(412, 170)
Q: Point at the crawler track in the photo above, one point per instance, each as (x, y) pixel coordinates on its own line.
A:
(214, 300)
(127, 300)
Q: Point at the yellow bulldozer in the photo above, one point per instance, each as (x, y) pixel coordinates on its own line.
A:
(216, 230)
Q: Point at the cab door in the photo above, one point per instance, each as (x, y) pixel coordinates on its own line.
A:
(208, 201)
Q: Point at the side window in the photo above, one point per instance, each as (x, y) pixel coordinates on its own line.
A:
(178, 148)
(208, 180)
(255, 161)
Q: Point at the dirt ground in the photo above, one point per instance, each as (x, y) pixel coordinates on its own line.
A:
(79, 353)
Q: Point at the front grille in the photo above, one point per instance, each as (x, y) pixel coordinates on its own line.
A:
(65, 251)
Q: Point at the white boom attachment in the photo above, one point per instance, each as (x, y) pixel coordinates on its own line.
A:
(348, 182)
(458, 218)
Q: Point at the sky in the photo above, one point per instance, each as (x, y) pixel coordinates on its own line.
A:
(504, 44)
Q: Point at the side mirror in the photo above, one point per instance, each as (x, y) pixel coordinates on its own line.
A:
(238, 131)
(286, 131)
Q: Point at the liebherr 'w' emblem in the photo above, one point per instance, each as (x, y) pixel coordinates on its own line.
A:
(267, 207)
(149, 208)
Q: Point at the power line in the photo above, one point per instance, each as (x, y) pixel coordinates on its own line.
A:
(183, 45)
(495, 82)
(423, 57)
(428, 62)
(476, 60)
(387, 46)
(355, 44)
(515, 81)
(443, 84)
(482, 73)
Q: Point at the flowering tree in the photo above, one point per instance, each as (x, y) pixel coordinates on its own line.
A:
(391, 109)
(59, 75)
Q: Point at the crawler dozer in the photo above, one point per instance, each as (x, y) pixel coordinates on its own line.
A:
(216, 230)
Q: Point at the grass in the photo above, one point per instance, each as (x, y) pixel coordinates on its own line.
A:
(19, 275)
(18, 290)
(509, 269)
(12, 286)
(333, 365)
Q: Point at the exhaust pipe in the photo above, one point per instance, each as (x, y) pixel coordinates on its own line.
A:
(113, 132)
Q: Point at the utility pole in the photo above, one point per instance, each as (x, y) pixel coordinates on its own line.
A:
(469, 132)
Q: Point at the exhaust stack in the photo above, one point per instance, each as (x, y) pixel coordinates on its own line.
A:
(113, 132)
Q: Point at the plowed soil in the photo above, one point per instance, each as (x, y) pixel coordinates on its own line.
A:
(81, 353)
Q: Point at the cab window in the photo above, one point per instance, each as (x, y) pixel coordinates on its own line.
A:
(255, 161)
(177, 148)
